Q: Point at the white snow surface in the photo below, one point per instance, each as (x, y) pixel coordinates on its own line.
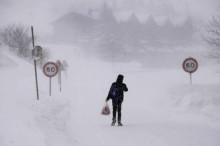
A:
(161, 108)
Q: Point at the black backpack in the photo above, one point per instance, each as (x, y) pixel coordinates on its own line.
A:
(115, 92)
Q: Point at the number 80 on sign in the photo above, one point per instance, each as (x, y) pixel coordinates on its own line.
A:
(50, 69)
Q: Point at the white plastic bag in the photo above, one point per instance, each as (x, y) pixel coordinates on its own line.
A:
(105, 109)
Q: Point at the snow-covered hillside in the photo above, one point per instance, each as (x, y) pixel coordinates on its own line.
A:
(160, 108)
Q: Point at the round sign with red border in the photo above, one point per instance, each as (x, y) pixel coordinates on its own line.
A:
(190, 65)
(50, 69)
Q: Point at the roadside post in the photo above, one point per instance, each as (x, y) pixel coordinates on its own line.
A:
(36, 54)
(50, 69)
(60, 68)
(64, 67)
(190, 65)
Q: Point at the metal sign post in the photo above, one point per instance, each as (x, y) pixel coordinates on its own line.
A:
(32, 32)
(60, 80)
(50, 69)
(190, 78)
(65, 66)
(50, 86)
(190, 65)
(38, 57)
(60, 67)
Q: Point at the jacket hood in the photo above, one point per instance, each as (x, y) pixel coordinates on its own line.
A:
(120, 79)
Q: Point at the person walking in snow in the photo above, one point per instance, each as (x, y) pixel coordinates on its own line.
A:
(116, 93)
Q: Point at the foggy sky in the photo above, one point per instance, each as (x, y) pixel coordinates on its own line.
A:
(41, 13)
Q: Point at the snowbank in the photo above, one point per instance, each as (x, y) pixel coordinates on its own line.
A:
(160, 108)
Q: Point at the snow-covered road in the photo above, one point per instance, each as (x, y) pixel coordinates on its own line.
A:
(160, 108)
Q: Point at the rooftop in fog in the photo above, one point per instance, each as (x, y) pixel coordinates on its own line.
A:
(73, 16)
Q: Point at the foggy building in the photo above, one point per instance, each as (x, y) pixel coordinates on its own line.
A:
(74, 27)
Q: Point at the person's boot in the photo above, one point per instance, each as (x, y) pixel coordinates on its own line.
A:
(113, 122)
(119, 123)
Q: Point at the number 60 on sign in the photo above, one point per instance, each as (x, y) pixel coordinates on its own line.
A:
(50, 69)
(190, 65)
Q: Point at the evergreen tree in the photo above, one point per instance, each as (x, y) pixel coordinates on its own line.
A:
(187, 29)
(168, 31)
(109, 43)
(151, 29)
(133, 31)
(106, 16)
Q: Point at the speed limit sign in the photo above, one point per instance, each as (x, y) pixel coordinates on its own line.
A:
(50, 69)
(190, 65)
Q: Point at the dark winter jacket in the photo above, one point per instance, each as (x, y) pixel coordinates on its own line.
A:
(122, 87)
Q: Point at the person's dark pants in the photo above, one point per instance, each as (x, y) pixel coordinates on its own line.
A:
(116, 108)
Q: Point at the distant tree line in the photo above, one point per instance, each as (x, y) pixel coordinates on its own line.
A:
(133, 37)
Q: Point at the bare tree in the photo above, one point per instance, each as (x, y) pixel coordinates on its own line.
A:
(17, 38)
(212, 36)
